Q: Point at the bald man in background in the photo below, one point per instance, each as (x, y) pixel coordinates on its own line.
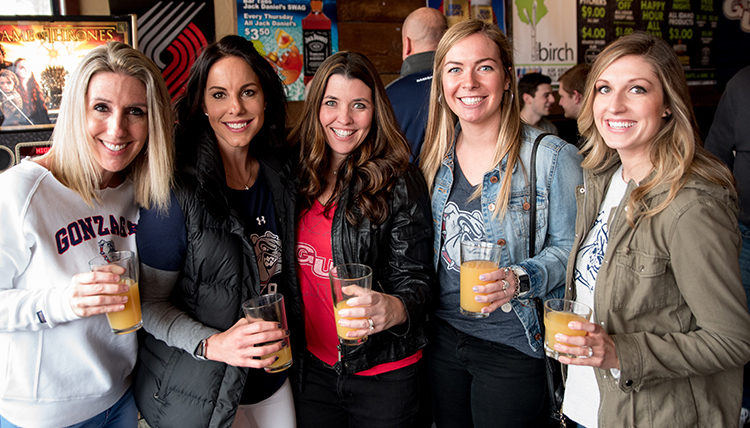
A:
(410, 93)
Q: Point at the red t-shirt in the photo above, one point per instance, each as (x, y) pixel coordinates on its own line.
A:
(314, 260)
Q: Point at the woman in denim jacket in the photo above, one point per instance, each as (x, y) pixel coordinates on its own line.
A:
(490, 372)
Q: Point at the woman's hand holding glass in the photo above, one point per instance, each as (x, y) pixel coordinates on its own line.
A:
(595, 349)
(499, 291)
(94, 293)
(244, 344)
(384, 310)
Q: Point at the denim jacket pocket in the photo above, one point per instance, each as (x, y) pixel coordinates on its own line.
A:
(520, 215)
(640, 282)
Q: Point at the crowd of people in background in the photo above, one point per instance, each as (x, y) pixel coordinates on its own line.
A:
(22, 97)
(638, 221)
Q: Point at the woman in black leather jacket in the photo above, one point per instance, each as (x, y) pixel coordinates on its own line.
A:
(357, 200)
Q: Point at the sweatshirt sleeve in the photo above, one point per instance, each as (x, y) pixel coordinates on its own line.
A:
(162, 243)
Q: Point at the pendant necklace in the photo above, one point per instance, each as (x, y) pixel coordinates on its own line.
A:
(241, 183)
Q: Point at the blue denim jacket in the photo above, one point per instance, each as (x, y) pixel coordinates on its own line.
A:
(558, 173)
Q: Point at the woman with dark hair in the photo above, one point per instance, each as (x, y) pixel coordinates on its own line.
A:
(358, 200)
(31, 93)
(656, 255)
(219, 245)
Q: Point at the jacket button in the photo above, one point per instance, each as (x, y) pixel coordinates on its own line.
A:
(582, 190)
(628, 383)
(491, 207)
(501, 242)
(538, 336)
(493, 179)
(526, 206)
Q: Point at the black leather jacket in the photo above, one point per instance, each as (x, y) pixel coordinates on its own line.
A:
(400, 253)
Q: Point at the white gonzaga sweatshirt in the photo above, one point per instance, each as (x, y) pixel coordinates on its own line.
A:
(57, 369)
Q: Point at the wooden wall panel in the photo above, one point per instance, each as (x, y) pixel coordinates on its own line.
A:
(376, 11)
(380, 42)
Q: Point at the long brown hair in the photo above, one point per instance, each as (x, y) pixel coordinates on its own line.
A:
(442, 121)
(370, 171)
(676, 152)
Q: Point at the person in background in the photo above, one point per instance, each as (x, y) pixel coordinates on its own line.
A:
(536, 99)
(356, 199)
(111, 151)
(11, 103)
(3, 63)
(572, 85)
(31, 93)
(657, 249)
(490, 372)
(729, 140)
(220, 244)
(410, 93)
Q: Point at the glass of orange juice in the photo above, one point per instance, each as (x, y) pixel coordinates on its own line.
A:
(348, 280)
(270, 307)
(477, 258)
(122, 263)
(557, 314)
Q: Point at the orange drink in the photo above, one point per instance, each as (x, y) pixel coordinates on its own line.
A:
(477, 258)
(470, 272)
(557, 314)
(128, 319)
(284, 361)
(341, 330)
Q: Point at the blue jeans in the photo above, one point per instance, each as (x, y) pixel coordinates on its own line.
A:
(387, 400)
(745, 273)
(482, 384)
(122, 414)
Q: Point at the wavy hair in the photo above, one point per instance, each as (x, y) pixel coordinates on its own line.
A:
(676, 152)
(71, 158)
(442, 121)
(191, 121)
(370, 171)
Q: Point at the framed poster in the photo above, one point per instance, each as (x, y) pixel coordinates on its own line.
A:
(37, 55)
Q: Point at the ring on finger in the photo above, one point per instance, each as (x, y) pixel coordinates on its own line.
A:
(372, 324)
(505, 285)
(505, 293)
(506, 271)
(591, 352)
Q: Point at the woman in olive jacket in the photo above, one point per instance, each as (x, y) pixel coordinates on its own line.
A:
(655, 256)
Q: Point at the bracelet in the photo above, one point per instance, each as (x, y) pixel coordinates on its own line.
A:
(517, 290)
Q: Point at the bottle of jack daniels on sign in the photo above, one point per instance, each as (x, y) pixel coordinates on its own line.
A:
(316, 36)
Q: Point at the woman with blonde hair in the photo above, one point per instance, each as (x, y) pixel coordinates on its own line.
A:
(31, 92)
(112, 151)
(489, 371)
(655, 256)
(356, 199)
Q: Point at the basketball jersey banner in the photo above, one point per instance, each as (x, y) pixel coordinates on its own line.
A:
(171, 34)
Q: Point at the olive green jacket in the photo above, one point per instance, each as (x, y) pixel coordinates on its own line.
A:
(670, 295)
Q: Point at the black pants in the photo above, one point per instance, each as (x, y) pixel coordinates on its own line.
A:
(482, 384)
(387, 400)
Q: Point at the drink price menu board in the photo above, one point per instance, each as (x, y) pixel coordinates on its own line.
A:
(295, 36)
(687, 25)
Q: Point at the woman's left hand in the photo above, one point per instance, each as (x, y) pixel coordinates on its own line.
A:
(596, 349)
(498, 292)
(384, 310)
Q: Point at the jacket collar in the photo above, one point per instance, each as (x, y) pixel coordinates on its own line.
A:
(417, 63)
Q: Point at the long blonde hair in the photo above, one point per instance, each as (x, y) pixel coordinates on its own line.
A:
(676, 152)
(442, 121)
(71, 158)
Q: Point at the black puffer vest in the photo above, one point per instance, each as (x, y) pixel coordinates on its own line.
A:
(173, 388)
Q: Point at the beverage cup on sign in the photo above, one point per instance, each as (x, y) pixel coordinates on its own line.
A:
(557, 314)
(348, 280)
(477, 258)
(122, 263)
(270, 307)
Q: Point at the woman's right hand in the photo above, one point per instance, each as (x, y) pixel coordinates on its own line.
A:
(245, 345)
(94, 293)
